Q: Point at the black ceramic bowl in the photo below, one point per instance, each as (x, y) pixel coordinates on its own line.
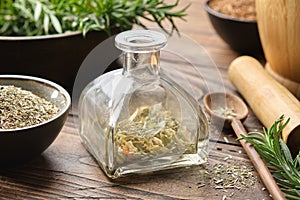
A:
(241, 35)
(22, 144)
(56, 57)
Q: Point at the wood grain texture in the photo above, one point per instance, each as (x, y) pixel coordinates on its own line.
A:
(292, 86)
(272, 16)
(67, 171)
(267, 98)
(279, 28)
(257, 161)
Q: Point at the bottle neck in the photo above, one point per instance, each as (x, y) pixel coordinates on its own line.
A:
(141, 65)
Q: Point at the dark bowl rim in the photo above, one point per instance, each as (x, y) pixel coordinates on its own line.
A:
(40, 37)
(39, 81)
(225, 17)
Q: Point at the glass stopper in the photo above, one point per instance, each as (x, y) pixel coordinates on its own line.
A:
(140, 41)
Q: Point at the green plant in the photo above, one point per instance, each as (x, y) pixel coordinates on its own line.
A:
(285, 169)
(40, 17)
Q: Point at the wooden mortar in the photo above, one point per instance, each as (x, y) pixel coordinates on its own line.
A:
(292, 86)
(267, 98)
(279, 30)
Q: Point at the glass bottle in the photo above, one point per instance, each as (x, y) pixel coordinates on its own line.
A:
(135, 119)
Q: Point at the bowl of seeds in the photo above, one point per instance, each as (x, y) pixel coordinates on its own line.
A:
(32, 113)
(235, 22)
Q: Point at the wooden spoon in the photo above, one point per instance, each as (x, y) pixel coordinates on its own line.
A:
(232, 110)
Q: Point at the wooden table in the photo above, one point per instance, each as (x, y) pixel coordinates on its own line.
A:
(67, 171)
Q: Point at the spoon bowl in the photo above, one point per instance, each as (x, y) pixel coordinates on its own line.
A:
(225, 107)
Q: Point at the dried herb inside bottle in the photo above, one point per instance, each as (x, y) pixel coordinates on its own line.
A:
(151, 129)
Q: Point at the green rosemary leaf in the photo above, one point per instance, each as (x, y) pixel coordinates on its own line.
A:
(282, 182)
(289, 197)
(288, 174)
(46, 23)
(57, 16)
(261, 135)
(270, 146)
(56, 24)
(297, 162)
(258, 140)
(273, 163)
(23, 11)
(293, 192)
(286, 152)
(5, 28)
(37, 11)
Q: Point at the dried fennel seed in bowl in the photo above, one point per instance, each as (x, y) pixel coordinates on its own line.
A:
(152, 130)
(21, 108)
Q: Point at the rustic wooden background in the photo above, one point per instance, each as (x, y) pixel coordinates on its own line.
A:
(67, 171)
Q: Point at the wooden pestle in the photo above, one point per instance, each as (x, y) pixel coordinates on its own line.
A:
(267, 98)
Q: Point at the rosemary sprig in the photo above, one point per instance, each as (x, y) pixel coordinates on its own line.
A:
(270, 146)
(41, 17)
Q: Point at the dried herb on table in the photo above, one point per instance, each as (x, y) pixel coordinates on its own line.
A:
(228, 176)
(235, 176)
(150, 130)
(21, 108)
(285, 169)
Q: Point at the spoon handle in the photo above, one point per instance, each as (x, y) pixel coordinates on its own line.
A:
(258, 163)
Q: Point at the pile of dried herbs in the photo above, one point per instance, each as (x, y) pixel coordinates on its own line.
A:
(228, 177)
(21, 108)
(233, 176)
(285, 169)
(151, 129)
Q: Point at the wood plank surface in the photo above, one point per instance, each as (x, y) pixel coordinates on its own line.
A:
(67, 171)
